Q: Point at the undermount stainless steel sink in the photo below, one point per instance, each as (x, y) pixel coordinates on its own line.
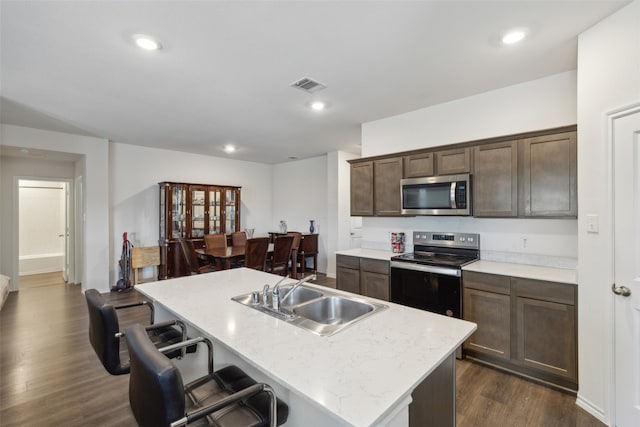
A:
(321, 312)
(333, 310)
(300, 295)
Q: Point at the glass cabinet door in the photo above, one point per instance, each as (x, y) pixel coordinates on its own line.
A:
(214, 211)
(198, 210)
(230, 210)
(178, 211)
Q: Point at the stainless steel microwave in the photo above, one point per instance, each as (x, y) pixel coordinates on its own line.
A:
(436, 195)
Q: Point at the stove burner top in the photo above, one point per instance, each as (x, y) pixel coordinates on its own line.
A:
(452, 250)
(434, 258)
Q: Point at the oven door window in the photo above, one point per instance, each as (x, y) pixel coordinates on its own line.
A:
(433, 292)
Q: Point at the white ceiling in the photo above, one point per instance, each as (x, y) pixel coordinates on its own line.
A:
(224, 73)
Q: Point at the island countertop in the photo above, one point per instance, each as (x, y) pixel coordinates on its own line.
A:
(358, 375)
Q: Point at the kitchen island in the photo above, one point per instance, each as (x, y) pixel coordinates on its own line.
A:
(363, 375)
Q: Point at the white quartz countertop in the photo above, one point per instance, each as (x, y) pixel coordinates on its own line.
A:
(359, 374)
(525, 271)
(368, 253)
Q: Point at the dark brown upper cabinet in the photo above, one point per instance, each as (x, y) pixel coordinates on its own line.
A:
(548, 176)
(362, 189)
(418, 165)
(387, 174)
(495, 181)
(454, 161)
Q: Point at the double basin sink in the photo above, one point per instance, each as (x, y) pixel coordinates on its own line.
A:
(321, 312)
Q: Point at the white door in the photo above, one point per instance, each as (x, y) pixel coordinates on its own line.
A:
(625, 136)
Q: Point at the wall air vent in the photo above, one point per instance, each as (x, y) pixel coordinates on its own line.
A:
(308, 85)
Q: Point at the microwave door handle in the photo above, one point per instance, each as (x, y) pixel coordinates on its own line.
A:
(452, 195)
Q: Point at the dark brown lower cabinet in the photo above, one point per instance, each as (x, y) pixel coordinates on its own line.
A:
(524, 326)
(364, 276)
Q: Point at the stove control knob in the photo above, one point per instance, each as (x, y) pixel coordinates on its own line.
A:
(462, 238)
(470, 239)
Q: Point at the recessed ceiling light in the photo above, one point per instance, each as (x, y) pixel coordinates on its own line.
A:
(318, 106)
(147, 42)
(513, 37)
(229, 148)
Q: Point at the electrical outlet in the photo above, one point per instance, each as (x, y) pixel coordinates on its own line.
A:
(523, 242)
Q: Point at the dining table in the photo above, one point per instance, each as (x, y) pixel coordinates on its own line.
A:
(224, 257)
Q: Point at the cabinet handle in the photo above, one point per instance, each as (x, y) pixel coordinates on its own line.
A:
(621, 290)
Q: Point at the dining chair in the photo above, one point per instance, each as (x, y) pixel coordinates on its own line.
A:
(239, 238)
(256, 253)
(105, 334)
(215, 241)
(226, 397)
(279, 261)
(193, 263)
(308, 249)
(297, 236)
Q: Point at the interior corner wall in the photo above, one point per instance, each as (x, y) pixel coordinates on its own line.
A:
(338, 206)
(95, 241)
(136, 172)
(300, 194)
(608, 79)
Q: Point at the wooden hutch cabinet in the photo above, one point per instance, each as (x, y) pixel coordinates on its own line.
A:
(191, 211)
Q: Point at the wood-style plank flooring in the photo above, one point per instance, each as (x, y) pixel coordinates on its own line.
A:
(50, 376)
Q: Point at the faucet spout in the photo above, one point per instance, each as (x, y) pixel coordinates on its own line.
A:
(295, 286)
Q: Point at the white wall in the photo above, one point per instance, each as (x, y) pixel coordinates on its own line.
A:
(538, 104)
(300, 194)
(608, 79)
(136, 172)
(95, 233)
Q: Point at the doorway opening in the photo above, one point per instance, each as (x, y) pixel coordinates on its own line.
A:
(45, 223)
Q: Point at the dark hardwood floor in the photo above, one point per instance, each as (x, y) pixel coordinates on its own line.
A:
(50, 376)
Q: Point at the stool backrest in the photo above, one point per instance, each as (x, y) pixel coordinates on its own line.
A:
(103, 326)
(156, 390)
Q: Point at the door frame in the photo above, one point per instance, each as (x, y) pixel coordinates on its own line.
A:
(612, 116)
(70, 209)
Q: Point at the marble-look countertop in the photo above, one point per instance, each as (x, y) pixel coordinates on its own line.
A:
(368, 253)
(359, 374)
(525, 271)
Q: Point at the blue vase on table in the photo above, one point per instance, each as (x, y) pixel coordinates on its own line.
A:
(312, 226)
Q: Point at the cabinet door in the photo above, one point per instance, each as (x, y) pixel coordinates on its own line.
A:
(549, 176)
(348, 279)
(457, 160)
(178, 211)
(546, 337)
(362, 189)
(418, 165)
(492, 313)
(231, 210)
(214, 225)
(374, 285)
(198, 195)
(495, 180)
(386, 183)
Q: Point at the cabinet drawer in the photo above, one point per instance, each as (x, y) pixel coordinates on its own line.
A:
(347, 261)
(545, 291)
(374, 265)
(486, 282)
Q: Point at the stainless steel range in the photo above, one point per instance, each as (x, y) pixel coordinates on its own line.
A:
(430, 278)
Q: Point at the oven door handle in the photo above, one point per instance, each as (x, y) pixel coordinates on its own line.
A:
(426, 268)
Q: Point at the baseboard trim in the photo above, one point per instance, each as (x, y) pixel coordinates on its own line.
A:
(591, 409)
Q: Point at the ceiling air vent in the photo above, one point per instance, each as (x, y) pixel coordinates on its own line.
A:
(308, 85)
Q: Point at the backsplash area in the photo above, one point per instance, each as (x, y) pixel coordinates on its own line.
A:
(544, 242)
